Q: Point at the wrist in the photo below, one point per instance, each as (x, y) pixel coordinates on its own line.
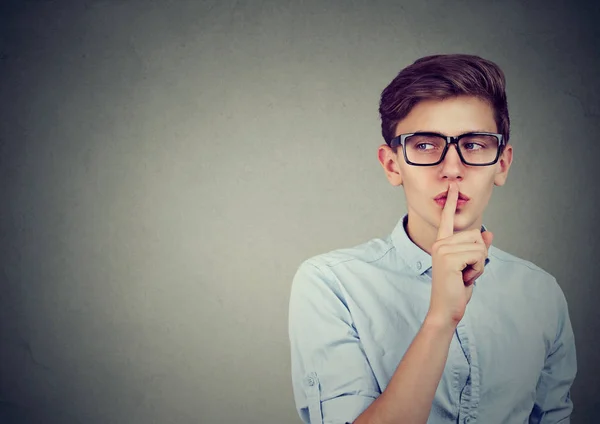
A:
(439, 323)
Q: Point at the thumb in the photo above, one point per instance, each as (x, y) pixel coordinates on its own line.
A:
(487, 236)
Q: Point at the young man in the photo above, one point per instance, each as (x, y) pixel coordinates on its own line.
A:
(433, 323)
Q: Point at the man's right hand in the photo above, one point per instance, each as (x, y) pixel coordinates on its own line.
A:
(457, 260)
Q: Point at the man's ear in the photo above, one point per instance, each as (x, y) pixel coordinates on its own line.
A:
(389, 162)
(504, 163)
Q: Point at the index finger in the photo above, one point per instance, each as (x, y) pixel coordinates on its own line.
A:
(446, 228)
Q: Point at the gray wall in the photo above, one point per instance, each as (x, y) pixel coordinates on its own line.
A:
(166, 166)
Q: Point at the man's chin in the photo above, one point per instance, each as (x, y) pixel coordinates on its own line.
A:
(464, 222)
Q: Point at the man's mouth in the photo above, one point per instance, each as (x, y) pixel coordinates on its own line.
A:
(444, 195)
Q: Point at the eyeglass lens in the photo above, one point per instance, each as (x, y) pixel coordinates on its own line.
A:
(428, 149)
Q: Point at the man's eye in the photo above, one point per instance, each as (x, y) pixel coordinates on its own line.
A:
(423, 146)
(473, 146)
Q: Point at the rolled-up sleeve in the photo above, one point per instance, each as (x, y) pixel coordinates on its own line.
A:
(553, 402)
(331, 377)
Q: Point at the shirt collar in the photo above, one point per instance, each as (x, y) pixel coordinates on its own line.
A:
(417, 259)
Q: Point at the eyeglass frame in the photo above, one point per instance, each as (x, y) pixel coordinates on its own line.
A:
(401, 140)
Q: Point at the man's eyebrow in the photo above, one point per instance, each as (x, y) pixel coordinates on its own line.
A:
(463, 132)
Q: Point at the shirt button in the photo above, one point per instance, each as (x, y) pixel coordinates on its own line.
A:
(467, 420)
(419, 265)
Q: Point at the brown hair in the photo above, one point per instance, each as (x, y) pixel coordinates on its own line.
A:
(439, 77)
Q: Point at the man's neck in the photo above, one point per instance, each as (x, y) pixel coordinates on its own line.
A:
(422, 234)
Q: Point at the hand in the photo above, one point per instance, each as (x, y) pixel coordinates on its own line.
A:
(457, 261)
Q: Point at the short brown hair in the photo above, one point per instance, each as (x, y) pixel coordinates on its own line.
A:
(439, 77)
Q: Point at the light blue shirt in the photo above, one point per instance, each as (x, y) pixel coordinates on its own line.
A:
(354, 312)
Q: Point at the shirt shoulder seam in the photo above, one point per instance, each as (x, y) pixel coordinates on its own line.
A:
(519, 261)
(330, 263)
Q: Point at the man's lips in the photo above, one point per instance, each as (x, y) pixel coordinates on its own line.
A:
(444, 194)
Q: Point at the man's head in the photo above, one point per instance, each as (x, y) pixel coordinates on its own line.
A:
(450, 95)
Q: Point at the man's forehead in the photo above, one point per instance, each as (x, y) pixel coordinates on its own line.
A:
(451, 116)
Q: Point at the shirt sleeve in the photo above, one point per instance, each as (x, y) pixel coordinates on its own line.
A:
(332, 380)
(553, 402)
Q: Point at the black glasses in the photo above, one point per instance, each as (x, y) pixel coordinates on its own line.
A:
(429, 148)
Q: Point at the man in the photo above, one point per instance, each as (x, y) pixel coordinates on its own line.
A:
(433, 323)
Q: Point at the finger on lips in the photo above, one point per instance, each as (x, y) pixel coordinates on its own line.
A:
(447, 222)
(462, 244)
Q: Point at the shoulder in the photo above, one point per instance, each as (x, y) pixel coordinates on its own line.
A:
(320, 270)
(507, 260)
(367, 252)
(525, 273)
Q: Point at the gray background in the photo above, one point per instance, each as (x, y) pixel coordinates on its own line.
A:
(166, 166)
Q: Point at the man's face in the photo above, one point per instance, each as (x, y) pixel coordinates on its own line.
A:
(422, 184)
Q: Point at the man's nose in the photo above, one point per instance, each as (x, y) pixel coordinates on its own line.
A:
(452, 166)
